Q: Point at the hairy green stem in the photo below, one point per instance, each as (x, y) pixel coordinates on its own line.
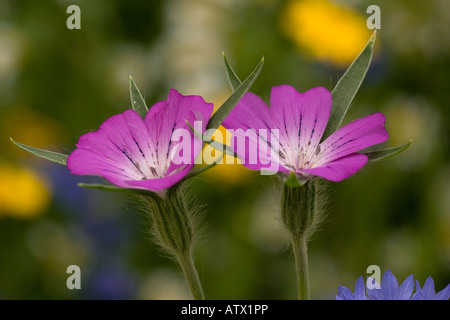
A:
(299, 214)
(190, 273)
(174, 229)
(300, 248)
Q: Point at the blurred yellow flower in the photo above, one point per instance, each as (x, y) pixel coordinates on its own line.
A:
(23, 193)
(229, 170)
(328, 31)
(27, 126)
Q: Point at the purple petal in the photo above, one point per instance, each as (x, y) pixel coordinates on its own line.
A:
(418, 294)
(428, 292)
(339, 169)
(375, 294)
(418, 289)
(345, 293)
(443, 294)
(389, 285)
(360, 293)
(406, 289)
(304, 116)
(353, 137)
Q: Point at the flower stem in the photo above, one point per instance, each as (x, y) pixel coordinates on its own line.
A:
(300, 247)
(190, 273)
(300, 216)
(174, 229)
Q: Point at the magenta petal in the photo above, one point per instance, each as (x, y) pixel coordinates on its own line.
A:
(251, 121)
(255, 151)
(353, 137)
(125, 131)
(305, 117)
(162, 183)
(117, 148)
(85, 162)
(131, 152)
(165, 117)
(251, 112)
(339, 169)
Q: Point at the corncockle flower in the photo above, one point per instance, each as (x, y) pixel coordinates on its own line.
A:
(150, 153)
(132, 152)
(301, 119)
(390, 290)
(428, 293)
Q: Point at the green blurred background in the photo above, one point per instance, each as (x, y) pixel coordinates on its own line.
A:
(57, 84)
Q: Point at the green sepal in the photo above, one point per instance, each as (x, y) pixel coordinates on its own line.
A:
(173, 227)
(381, 154)
(298, 209)
(56, 157)
(293, 181)
(233, 79)
(137, 101)
(347, 87)
(219, 116)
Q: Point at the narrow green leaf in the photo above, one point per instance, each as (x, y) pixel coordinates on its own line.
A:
(196, 133)
(233, 79)
(137, 101)
(220, 115)
(195, 172)
(48, 155)
(223, 148)
(118, 189)
(348, 86)
(381, 154)
(216, 145)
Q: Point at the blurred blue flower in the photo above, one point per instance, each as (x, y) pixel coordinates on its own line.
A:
(428, 293)
(390, 290)
(346, 294)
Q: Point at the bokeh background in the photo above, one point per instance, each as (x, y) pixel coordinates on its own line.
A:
(56, 84)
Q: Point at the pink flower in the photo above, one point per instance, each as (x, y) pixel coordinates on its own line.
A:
(300, 120)
(132, 152)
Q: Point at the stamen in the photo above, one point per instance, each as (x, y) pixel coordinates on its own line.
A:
(153, 170)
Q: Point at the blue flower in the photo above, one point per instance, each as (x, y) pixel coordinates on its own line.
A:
(347, 294)
(428, 293)
(390, 290)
